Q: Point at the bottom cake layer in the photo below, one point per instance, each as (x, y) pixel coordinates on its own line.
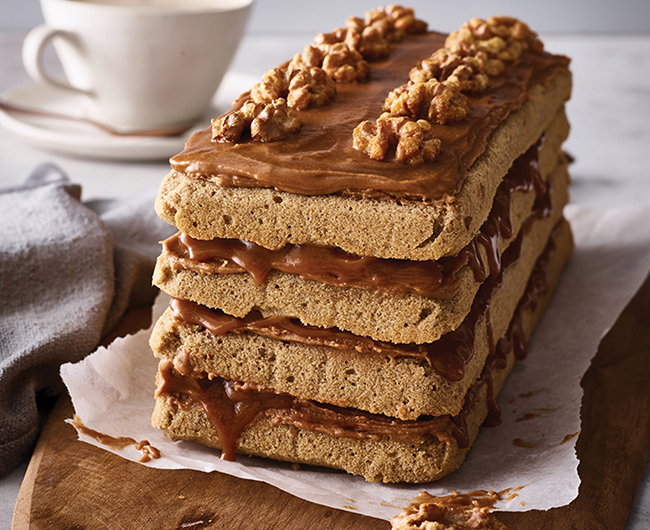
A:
(254, 421)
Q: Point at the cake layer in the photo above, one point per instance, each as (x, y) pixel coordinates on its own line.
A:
(380, 381)
(375, 313)
(389, 456)
(402, 227)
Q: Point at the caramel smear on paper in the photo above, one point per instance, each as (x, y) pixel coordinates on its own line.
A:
(149, 452)
(569, 437)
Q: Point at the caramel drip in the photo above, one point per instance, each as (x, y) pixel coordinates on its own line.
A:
(320, 160)
(432, 279)
(515, 337)
(149, 452)
(229, 406)
(232, 406)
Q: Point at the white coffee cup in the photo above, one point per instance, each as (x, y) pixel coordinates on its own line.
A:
(139, 64)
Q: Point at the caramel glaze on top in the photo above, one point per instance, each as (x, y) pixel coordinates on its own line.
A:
(320, 160)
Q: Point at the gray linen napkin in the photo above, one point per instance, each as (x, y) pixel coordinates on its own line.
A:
(68, 272)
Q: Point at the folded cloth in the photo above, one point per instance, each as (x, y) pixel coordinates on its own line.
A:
(68, 273)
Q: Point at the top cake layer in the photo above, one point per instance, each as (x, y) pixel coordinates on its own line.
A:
(315, 187)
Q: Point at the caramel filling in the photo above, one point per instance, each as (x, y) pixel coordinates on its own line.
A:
(320, 159)
(232, 406)
(433, 279)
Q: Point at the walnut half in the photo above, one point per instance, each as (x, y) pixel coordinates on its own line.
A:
(400, 138)
(503, 38)
(438, 102)
(301, 86)
(266, 122)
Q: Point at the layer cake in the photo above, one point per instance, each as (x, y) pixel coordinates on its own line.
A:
(367, 241)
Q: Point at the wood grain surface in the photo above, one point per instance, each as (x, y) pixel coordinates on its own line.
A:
(70, 484)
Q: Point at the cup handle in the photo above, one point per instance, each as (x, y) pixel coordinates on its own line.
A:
(34, 46)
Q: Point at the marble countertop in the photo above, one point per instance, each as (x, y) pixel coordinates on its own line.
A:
(610, 137)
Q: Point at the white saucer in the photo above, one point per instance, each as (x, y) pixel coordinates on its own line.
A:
(78, 138)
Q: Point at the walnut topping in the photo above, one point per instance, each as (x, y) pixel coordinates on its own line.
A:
(434, 517)
(436, 101)
(503, 38)
(270, 115)
(411, 140)
(470, 73)
(372, 35)
(402, 19)
(437, 85)
(268, 122)
(302, 87)
(309, 79)
(469, 511)
(275, 122)
(311, 86)
(338, 59)
(344, 63)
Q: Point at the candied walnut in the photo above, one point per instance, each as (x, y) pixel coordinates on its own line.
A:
(438, 66)
(349, 36)
(228, 128)
(404, 19)
(301, 87)
(310, 56)
(231, 126)
(434, 100)
(337, 53)
(373, 45)
(401, 19)
(275, 122)
(470, 511)
(355, 23)
(416, 144)
(338, 35)
(311, 86)
(408, 141)
(434, 517)
(343, 63)
(448, 104)
(267, 122)
(367, 41)
(468, 78)
(469, 72)
(272, 86)
(408, 100)
(503, 38)
(372, 35)
(488, 65)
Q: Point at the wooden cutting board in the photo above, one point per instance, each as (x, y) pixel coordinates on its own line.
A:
(70, 484)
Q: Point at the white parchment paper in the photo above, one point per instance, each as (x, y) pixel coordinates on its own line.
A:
(112, 392)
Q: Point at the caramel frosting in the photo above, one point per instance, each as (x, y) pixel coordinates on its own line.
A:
(320, 158)
(433, 279)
